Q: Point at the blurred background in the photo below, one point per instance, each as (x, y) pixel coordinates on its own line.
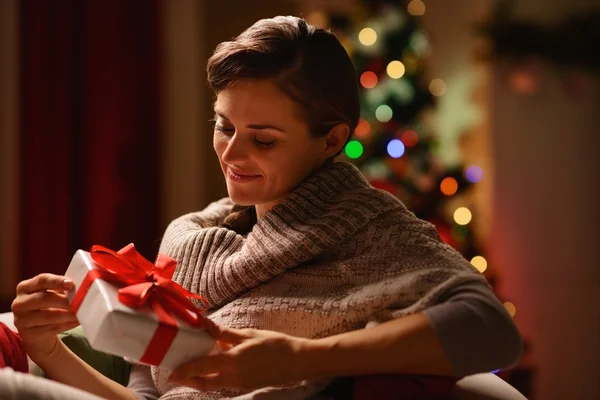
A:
(480, 115)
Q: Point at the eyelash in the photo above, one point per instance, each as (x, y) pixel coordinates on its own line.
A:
(227, 132)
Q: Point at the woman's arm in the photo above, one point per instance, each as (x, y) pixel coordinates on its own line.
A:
(66, 367)
(407, 345)
(469, 333)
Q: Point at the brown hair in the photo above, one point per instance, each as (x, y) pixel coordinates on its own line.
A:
(308, 64)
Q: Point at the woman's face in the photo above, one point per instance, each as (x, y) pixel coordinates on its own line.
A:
(264, 147)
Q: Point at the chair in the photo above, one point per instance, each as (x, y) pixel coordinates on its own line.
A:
(485, 386)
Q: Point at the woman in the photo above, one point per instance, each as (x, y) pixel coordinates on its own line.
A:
(303, 254)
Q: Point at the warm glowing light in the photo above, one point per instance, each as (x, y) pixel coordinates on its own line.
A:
(437, 87)
(449, 186)
(363, 128)
(395, 69)
(367, 36)
(510, 307)
(416, 7)
(479, 263)
(462, 216)
(368, 79)
(383, 113)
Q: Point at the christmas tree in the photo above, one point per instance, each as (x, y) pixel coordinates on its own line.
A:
(394, 144)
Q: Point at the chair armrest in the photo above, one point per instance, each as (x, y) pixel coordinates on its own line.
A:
(486, 387)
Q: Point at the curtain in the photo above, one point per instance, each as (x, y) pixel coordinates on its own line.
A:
(90, 102)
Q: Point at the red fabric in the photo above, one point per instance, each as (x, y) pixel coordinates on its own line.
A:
(90, 118)
(12, 351)
(397, 387)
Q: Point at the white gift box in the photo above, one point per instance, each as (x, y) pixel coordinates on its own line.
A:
(112, 327)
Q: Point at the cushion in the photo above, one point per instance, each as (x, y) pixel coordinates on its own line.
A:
(111, 366)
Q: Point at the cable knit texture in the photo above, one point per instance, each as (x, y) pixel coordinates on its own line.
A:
(332, 256)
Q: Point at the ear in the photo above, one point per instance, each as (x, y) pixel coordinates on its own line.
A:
(336, 139)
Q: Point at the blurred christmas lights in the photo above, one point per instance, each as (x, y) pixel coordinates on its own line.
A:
(409, 138)
(462, 216)
(354, 149)
(449, 186)
(395, 148)
(395, 69)
(368, 79)
(367, 36)
(510, 307)
(479, 263)
(474, 174)
(383, 113)
(437, 87)
(363, 128)
(416, 7)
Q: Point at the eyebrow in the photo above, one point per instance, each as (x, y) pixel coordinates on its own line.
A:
(252, 126)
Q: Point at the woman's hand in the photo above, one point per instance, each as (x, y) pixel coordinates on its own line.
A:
(251, 359)
(41, 311)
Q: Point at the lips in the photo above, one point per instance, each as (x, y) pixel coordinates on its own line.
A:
(239, 176)
(241, 173)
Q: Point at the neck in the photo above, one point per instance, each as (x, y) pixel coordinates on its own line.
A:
(261, 209)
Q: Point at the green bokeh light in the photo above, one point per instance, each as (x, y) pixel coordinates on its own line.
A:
(383, 113)
(354, 149)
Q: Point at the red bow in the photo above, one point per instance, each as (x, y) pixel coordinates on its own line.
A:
(143, 283)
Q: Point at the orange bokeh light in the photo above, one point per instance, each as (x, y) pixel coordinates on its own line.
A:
(409, 138)
(449, 186)
(368, 79)
(363, 128)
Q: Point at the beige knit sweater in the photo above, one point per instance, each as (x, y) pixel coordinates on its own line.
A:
(332, 256)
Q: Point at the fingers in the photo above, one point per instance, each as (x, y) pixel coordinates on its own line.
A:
(40, 300)
(43, 318)
(202, 366)
(44, 282)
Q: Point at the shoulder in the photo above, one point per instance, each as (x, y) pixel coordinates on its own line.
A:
(210, 216)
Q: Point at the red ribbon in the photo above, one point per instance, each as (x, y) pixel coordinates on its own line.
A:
(145, 284)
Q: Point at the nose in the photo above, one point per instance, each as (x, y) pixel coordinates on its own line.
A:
(236, 151)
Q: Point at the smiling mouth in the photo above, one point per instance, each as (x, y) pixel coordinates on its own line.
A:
(240, 177)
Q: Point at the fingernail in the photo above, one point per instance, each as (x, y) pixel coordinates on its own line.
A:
(67, 283)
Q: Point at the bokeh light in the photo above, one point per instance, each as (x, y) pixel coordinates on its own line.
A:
(449, 186)
(395, 148)
(479, 263)
(363, 128)
(409, 137)
(474, 174)
(437, 87)
(384, 113)
(510, 307)
(395, 69)
(354, 149)
(367, 36)
(462, 216)
(368, 79)
(416, 7)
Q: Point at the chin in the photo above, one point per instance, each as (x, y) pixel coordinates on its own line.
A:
(242, 199)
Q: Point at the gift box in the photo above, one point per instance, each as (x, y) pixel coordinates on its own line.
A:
(129, 307)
